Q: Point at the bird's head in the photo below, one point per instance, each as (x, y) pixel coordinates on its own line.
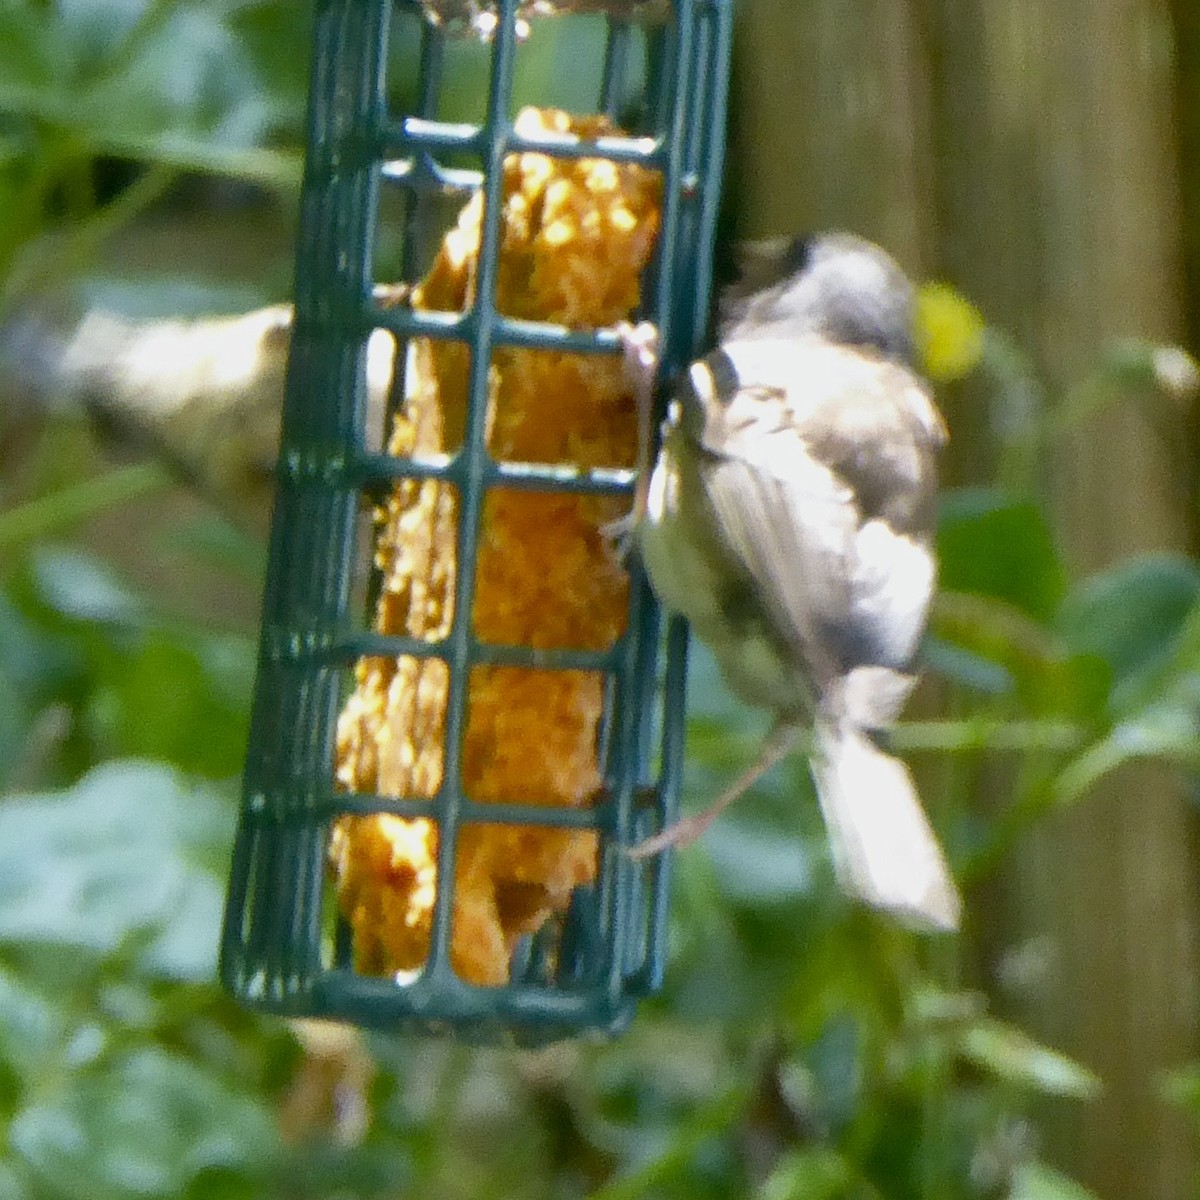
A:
(836, 285)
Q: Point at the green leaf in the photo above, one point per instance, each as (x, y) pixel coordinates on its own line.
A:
(12, 1185)
(278, 37)
(759, 865)
(972, 633)
(151, 688)
(181, 69)
(80, 586)
(32, 51)
(992, 545)
(817, 1174)
(131, 852)
(58, 511)
(1169, 730)
(710, 698)
(145, 1127)
(96, 28)
(31, 1026)
(1144, 617)
(1171, 679)
(1036, 1181)
(217, 542)
(825, 1081)
(965, 666)
(32, 666)
(1131, 615)
(164, 703)
(1014, 1057)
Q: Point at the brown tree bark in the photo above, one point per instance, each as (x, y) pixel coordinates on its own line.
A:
(827, 123)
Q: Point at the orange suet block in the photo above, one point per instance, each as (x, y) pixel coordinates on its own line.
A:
(575, 238)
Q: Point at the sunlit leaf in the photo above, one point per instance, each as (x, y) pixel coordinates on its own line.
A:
(81, 586)
(131, 851)
(1036, 1181)
(1013, 1056)
(144, 1127)
(817, 1174)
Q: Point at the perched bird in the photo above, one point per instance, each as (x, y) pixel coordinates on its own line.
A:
(789, 517)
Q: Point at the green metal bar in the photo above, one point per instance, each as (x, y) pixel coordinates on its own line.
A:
(292, 717)
(368, 644)
(506, 331)
(470, 501)
(599, 816)
(402, 137)
(369, 470)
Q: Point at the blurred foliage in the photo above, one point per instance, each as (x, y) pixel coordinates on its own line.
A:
(800, 1048)
(103, 104)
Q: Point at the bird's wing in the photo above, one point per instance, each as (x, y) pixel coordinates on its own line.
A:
(822, 491)
(789, 522)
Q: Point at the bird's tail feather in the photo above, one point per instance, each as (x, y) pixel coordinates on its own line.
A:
(884, 849)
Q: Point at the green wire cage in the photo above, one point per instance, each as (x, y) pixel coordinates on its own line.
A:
(285, 947)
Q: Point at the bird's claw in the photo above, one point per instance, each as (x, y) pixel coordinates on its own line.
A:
(640, 346)
(620, 536)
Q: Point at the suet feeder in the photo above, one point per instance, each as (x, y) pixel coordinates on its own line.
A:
(463, 715)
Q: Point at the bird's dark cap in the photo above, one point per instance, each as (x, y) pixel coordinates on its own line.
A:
(836, 285)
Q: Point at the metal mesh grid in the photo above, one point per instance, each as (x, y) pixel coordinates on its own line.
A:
(278, 952)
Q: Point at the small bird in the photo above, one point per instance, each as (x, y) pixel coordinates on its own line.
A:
(203, 395)
(789, 517)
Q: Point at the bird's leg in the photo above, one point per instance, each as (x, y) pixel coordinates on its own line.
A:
(640, 345)
(777, 745)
